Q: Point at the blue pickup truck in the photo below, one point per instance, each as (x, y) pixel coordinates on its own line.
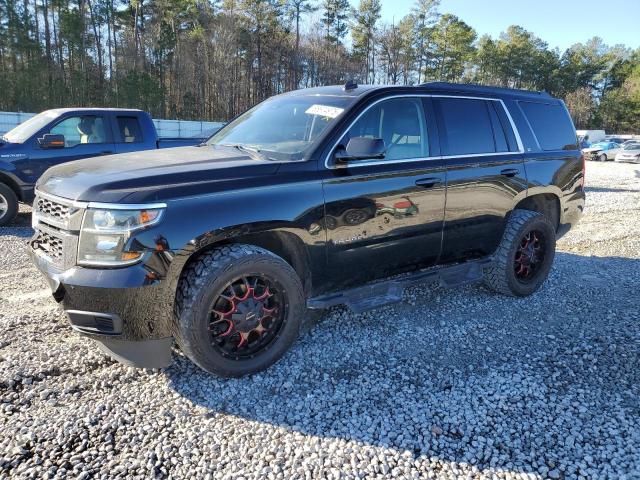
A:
(65, 134)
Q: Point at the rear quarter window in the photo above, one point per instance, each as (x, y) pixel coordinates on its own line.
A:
(551, 125)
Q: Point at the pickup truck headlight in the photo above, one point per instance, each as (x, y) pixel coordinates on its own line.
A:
(105, 233)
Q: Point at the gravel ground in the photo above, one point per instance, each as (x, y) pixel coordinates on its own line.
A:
(450, 384)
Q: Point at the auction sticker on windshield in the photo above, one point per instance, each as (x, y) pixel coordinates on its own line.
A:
(324, 110)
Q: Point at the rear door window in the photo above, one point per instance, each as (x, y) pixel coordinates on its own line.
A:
(129, 130)
(467, 126)
(551, 125)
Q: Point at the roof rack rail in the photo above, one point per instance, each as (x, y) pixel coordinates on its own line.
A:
(474, 87)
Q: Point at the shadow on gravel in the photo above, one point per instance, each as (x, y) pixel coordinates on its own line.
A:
(17, 227)
(463, 375)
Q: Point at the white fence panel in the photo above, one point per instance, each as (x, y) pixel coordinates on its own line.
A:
(9, 120)
(165, 128)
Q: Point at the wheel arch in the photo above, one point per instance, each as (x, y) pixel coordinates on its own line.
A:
(287, 245)
(11, 183)
(547, 204)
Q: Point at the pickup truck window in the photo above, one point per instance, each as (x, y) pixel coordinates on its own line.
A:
(400, 122)
(25, 130)
(129, 130)
(285, 126)
(467, 126)
(80, 130)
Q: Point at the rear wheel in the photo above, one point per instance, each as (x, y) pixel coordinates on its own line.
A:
(239, 308)
(524, 257)
(8, 205)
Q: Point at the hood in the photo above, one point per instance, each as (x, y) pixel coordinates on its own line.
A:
(154, 175)
(592, 149)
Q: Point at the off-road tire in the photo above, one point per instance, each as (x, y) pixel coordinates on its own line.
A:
(501, 277)
(11, 200)
(204, 279)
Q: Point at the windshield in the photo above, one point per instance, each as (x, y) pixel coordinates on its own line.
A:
(26, 129)
(631, 146)
(283, 127)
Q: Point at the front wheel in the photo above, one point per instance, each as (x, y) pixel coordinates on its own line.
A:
(602, 157)
(8, 205)
(238, 309)
(524, 257)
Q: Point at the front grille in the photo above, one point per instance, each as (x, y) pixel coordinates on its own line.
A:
(57, 222)
(51, 245)
(51, 209)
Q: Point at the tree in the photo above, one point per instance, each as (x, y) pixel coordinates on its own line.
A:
(581, 106)
(334, 19)
(452, 48)
(298, 8)
(212, 59)
(363, 33)
(425, 15)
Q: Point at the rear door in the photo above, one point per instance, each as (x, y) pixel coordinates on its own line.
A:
(385, 216)
(485, 173)
(86, 135)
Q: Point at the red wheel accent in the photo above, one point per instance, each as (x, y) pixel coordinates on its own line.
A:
(247, 313)
(266, 294)
(528, 256)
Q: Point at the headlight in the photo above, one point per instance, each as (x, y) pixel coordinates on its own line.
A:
(105, 232)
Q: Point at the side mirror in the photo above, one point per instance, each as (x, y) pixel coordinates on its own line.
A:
(361, 148)
(50, 140)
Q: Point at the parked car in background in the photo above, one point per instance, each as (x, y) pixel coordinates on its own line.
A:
(602, 151)
(65, 134)
(618, 138)
(225, 253)
(630, 152)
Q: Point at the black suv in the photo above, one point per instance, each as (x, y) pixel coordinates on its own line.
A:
(318, 197)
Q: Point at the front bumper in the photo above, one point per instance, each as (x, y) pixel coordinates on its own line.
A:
(128, 311)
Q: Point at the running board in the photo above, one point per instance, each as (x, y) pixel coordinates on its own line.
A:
(386, 292)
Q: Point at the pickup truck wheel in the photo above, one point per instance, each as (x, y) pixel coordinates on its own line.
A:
(8, 205)
(524, 257)
(238, 309)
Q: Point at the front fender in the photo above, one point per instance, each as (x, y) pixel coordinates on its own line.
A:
(192, 224)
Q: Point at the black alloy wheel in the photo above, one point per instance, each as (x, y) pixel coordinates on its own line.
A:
(247, 316)
(529, 255)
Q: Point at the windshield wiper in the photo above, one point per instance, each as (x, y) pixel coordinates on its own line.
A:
(243, 148)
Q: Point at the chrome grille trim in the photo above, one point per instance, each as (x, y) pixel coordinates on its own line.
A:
(57, 222)
(57, 212)
(49, 245)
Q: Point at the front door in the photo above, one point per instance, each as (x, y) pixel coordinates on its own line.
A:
(385, 216)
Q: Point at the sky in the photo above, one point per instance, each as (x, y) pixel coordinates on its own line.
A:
(560, 23)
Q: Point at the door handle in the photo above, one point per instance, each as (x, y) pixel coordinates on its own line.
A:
(510, 172)
(428, 182)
